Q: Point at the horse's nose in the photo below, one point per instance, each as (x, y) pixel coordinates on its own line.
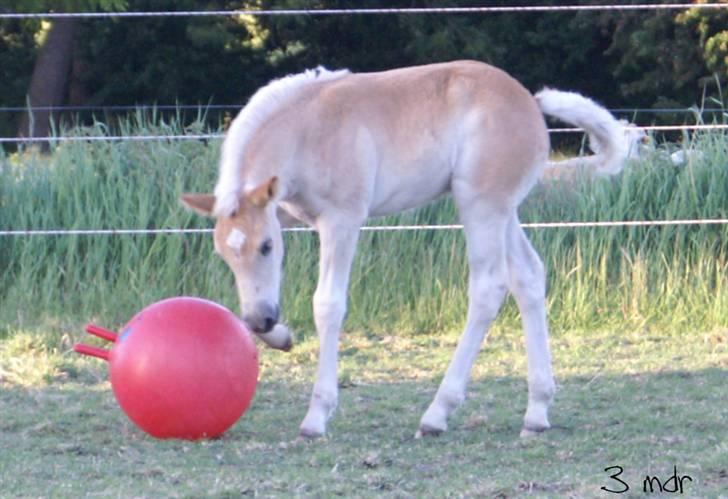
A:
(268, 323)
(263, 318)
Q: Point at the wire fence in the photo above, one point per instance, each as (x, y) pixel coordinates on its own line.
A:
(213, 136)
(332, 12)
(329, 12)
(375, 228)
(112, 138)
(364, 11)
(225, 107)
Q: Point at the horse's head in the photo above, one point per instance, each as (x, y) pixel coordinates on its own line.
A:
(249, 239)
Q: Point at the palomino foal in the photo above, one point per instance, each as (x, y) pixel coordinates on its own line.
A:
(333, 148)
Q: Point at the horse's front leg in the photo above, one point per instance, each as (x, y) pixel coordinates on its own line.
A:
(337, 248)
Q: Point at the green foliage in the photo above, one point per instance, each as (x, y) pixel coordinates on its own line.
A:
(167, 60)
(657, 60)
(64, 5)
(17, 47)
(713, 36)
(554, 49)
(647, 277)
(361, 43)
(628, 58)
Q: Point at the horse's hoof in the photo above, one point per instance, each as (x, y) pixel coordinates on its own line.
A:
(528, 432)
(428, 431)
(310, 430)
(306, 434)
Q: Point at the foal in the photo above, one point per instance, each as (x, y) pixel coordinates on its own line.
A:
(331, 149)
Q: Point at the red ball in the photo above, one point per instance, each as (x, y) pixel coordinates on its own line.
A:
(184, 368)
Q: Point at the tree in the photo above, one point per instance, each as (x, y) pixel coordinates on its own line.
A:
(666, 58)
(630, 58)
(48, 83)
(195, 60)
(17, 46)
(710, 28)
(557, 49)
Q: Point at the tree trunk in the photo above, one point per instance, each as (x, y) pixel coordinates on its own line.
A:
(50, 78)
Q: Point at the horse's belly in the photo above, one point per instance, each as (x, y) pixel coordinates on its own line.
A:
(405, 186)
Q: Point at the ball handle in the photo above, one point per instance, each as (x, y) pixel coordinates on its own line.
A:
(91, 351)
(95, 351)
(101, 332)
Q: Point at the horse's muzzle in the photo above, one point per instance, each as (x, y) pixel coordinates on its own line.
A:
(279, 338)
(262, 318)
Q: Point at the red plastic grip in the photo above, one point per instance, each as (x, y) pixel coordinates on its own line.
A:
(91, 351)
(101, 332)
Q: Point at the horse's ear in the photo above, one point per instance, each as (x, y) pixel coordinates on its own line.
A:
(264, 193)
(201, 203)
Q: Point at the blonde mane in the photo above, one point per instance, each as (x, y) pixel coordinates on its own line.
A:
(259, 108)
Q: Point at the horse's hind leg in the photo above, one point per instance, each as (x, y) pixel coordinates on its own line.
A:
(485, 230)
(527, 283)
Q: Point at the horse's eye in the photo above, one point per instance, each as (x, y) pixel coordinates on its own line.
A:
(266, 247)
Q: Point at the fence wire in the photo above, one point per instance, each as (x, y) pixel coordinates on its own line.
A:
(364, 11)
(212, 136)
(373, 228)
(219, 107)
(334, 12)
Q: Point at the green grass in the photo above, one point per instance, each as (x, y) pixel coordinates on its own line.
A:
(666, 277)
(643, 401)
(639, 320)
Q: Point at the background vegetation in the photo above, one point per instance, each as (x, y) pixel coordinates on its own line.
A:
(666, 277)
(629, 59)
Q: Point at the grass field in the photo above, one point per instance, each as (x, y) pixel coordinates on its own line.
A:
(639, 320)
(644, 401)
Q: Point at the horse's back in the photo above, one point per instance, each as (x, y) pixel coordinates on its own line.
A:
(397, 139)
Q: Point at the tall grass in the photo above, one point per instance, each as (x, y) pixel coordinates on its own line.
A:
(672, 278)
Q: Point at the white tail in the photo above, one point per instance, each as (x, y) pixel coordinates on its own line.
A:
(606, 134)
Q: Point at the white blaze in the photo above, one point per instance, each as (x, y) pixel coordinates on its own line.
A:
(236, 240)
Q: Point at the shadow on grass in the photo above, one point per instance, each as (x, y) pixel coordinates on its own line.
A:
(70, 438)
